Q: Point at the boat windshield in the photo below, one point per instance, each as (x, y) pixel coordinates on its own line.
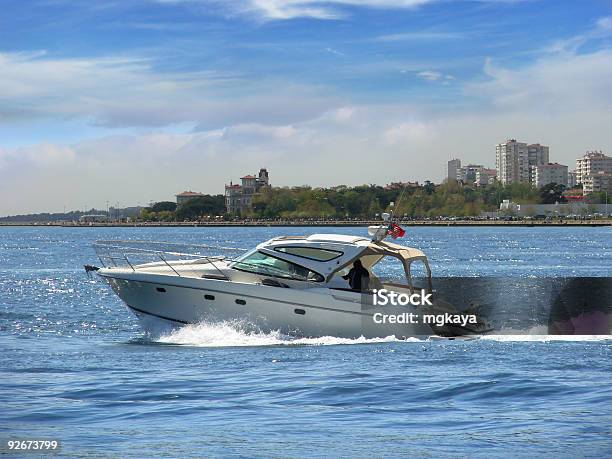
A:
(260, 263)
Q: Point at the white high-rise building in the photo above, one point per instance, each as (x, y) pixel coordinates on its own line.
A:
(591, 163)
(453, 166)
(514, 160)
(511, 162)
(543, 174)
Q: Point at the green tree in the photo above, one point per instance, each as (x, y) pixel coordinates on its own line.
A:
(202, 206)
(598, 197)
(163, 206)
(145, 214)
(552, 193)
(365, 201)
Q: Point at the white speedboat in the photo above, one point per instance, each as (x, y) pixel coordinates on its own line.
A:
(293, 284)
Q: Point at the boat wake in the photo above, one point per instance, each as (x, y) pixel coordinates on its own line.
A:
(237, 334)
(539, 333)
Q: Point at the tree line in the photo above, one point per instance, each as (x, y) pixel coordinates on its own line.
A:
(364, 201)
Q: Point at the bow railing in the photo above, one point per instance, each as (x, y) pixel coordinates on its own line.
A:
(140, 254)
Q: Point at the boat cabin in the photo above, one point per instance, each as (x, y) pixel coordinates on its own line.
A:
(326, 258)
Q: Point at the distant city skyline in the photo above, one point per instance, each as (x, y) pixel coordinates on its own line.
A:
(520, 162)
(132, 102)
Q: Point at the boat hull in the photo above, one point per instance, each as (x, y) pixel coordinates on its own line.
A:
(169, 302)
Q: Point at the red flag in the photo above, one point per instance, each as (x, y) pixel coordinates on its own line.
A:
(396, 231)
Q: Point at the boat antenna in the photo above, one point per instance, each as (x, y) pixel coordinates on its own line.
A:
(399, 200)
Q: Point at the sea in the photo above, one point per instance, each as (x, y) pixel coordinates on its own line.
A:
(77, 369)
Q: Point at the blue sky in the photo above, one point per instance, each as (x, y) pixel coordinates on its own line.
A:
(195, 93)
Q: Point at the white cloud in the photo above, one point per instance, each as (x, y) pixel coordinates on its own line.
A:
(42, 155)
(317, 9)
(343, 114)
(420, 36)
(429, 75)
(120, 92)
(408, 133)
(562, 81)
(601, 29)
(604, 24)
(292, 9)
(322, 9)
(432, 75)
(245, 133)
(335, 51)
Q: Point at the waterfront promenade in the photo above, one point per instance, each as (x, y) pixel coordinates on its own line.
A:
(314, 222)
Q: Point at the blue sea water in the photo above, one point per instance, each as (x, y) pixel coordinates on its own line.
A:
(76, 367)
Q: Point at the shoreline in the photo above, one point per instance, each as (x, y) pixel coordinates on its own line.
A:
(361, 223)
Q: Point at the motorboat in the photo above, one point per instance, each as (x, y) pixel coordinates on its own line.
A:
(296, 285)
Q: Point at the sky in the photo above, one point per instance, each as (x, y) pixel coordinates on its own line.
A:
(132, 102)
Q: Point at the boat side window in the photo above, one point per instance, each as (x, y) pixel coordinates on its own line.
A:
(261, 263)
(311, 253)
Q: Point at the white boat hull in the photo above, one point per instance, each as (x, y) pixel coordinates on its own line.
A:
(176, 301)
